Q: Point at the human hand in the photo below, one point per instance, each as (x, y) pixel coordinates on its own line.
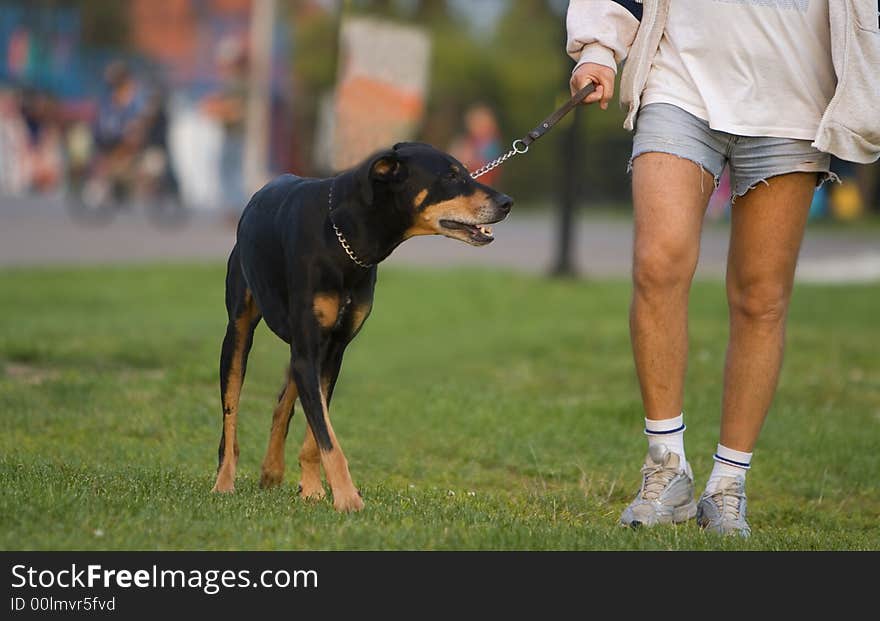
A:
(601, 76)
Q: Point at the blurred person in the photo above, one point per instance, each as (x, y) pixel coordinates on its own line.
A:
(155, 161)
(44, 146)
(699, 99)
(14, 145)
(480, 143)
(119, 132)
(127, 155)
(228, 107)
(120, 126)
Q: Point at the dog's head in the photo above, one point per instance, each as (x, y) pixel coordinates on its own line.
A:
(435, 194)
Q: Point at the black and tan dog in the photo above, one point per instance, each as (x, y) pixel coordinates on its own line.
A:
(305, 261)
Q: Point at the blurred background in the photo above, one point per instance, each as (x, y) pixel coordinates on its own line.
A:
(137, 130)
(132, 133)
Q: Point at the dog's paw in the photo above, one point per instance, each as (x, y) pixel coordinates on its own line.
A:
(223, 487)
(225, 480)
(345, 503)
(271, 478)
(311, 491)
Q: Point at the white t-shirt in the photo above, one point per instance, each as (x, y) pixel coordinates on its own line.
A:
(747, 67)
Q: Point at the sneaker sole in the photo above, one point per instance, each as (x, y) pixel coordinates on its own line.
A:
(679, 515)
(684, 513)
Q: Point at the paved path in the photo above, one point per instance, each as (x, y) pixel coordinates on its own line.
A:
(39, 232)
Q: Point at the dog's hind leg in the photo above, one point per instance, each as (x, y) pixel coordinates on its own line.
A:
(243, 319)
(273, 464)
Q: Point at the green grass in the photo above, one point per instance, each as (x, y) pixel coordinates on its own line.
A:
(477, 410)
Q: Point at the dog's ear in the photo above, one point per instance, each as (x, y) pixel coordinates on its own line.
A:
(386, 167)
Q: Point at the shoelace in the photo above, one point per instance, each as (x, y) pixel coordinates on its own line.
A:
(656, 479)
(729, 500)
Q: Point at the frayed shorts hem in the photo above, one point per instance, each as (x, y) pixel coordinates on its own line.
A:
(752, 160)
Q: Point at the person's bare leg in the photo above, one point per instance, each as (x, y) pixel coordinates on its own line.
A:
(670, 195)
(767, 226)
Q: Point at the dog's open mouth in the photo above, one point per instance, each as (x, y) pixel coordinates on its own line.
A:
(478, 234)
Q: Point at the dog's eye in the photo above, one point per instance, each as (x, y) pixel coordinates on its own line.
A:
(452, 175)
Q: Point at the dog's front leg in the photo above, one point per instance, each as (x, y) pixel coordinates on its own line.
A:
(306, 369)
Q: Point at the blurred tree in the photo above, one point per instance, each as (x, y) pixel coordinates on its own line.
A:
(518, 67)
(530, 84)
(315, 43)
(104, 22)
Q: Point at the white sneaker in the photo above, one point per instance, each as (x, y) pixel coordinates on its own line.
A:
(723, 511)
(667, 492)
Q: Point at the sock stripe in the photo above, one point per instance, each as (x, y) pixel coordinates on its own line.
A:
(648, 432)
(738, 464)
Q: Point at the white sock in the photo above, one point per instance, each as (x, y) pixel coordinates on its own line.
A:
(728, 463)
(669, 433)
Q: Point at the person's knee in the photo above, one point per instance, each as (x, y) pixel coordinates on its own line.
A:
(758, 301)
(662, 266)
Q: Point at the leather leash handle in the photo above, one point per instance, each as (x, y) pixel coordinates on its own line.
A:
(554, 118)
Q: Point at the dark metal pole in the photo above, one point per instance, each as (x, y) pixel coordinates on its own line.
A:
(570, 167)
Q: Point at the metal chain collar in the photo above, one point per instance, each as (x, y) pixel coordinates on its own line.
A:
(342, 241)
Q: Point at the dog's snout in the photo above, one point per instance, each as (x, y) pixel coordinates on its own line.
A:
(504, 202)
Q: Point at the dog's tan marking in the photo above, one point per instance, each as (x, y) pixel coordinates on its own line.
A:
(359, 314)
(420, 198)
(273, 464)
(385, 166)
(226, 474)
(310, 464)
(462, 208)
(326, 309)
(345, 496)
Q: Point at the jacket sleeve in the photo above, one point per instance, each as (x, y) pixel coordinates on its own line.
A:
(601, 31)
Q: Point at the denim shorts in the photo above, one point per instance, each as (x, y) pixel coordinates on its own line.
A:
(665, 128)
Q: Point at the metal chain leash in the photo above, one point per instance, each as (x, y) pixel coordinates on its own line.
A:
(521, 145)
(518, 148)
